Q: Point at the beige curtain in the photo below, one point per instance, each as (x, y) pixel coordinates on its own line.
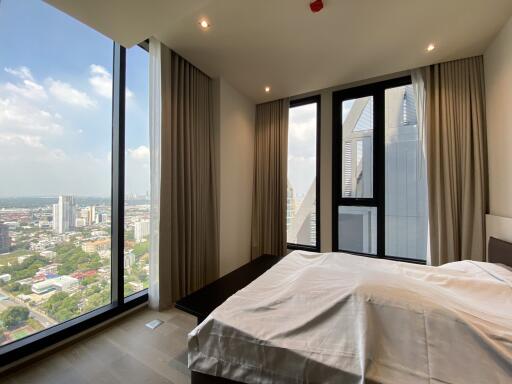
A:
(269, 197)
(188, 216)
(456, 159)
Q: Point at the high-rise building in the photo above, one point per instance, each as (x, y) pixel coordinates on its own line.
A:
(290, 206)
(56, 218)
(5, 240)
(92, 210)
(87, 214)
(141, 230)
(103, 218)
(64, 214)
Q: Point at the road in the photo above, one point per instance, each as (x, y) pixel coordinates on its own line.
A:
(40, 316)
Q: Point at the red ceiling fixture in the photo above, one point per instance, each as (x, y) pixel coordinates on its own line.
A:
(316, 6)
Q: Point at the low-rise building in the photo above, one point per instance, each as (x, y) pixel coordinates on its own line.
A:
(5, 277)
(83, 275)
(48, 254)
(96, 246)
(44, 224)
(50, 269)
(22, 258)
(61, 283)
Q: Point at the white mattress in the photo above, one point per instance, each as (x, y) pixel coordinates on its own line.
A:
(338, 318)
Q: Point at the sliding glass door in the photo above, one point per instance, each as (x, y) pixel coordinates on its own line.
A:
(379, 176)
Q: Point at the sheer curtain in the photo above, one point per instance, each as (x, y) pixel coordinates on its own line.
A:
(454, 116)
(420, 94)
(184, 220)
(155, 124)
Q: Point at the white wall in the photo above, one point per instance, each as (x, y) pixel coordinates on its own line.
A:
(236, 114)
(498, 83)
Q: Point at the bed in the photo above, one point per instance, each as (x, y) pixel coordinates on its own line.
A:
(340, 318)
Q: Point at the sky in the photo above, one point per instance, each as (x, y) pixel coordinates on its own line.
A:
(55, 106)
(302, 148)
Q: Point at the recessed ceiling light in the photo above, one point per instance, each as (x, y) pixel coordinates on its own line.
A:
(267, 89)
(431, 47)
(204, 24)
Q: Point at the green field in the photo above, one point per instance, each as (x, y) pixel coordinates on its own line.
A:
(20, 333)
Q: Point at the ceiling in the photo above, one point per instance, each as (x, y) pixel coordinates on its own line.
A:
(280, 43)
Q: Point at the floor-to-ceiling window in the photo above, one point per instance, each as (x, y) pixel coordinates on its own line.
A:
(137, 185)
(62, 188)
(379, 174)
(302, 210)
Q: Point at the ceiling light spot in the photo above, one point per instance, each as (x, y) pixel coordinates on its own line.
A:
(267, 89)
(204, 24)
(431, 47)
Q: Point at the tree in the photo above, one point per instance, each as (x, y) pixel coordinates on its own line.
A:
(140, 248)
(17, 288)
(27, 268)
(14, 317)
(61, 306)
(129, 235)
(74, 259)
(88, 280)
(97, 297)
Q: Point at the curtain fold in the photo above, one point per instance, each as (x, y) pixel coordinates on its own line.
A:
(456, 159)
(270, 179)
(188, 216)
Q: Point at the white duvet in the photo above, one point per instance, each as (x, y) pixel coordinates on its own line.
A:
(338, 318)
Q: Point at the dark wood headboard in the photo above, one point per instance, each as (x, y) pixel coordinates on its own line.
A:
(499, 251)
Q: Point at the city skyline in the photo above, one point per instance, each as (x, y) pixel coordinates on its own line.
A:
(55, 274)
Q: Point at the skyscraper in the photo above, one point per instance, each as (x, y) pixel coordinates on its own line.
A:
(141, 230)
(64, 214)
(92, 209)
(5, 240)
(55, 218)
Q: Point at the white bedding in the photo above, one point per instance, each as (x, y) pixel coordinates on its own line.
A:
(338, 318)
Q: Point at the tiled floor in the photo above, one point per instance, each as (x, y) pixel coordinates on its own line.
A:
(125, 352)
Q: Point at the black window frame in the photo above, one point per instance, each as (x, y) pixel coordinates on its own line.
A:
(316, 99)
(12, 352)
(377, 91)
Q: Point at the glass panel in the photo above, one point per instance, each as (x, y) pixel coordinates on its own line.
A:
(301, 206)
(55, 167)
(406, 186)
(357, 229)
(137, 184)
(357, 148)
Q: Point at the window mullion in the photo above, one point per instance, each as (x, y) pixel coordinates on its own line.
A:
(380, 169)
(118, 172)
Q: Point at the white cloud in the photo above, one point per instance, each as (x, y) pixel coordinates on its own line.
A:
(12, 139)
(139, 153)
(65, 93)
(21, 117)
(101, 81)
(27, 88)
(20, 72)
(35, 156)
